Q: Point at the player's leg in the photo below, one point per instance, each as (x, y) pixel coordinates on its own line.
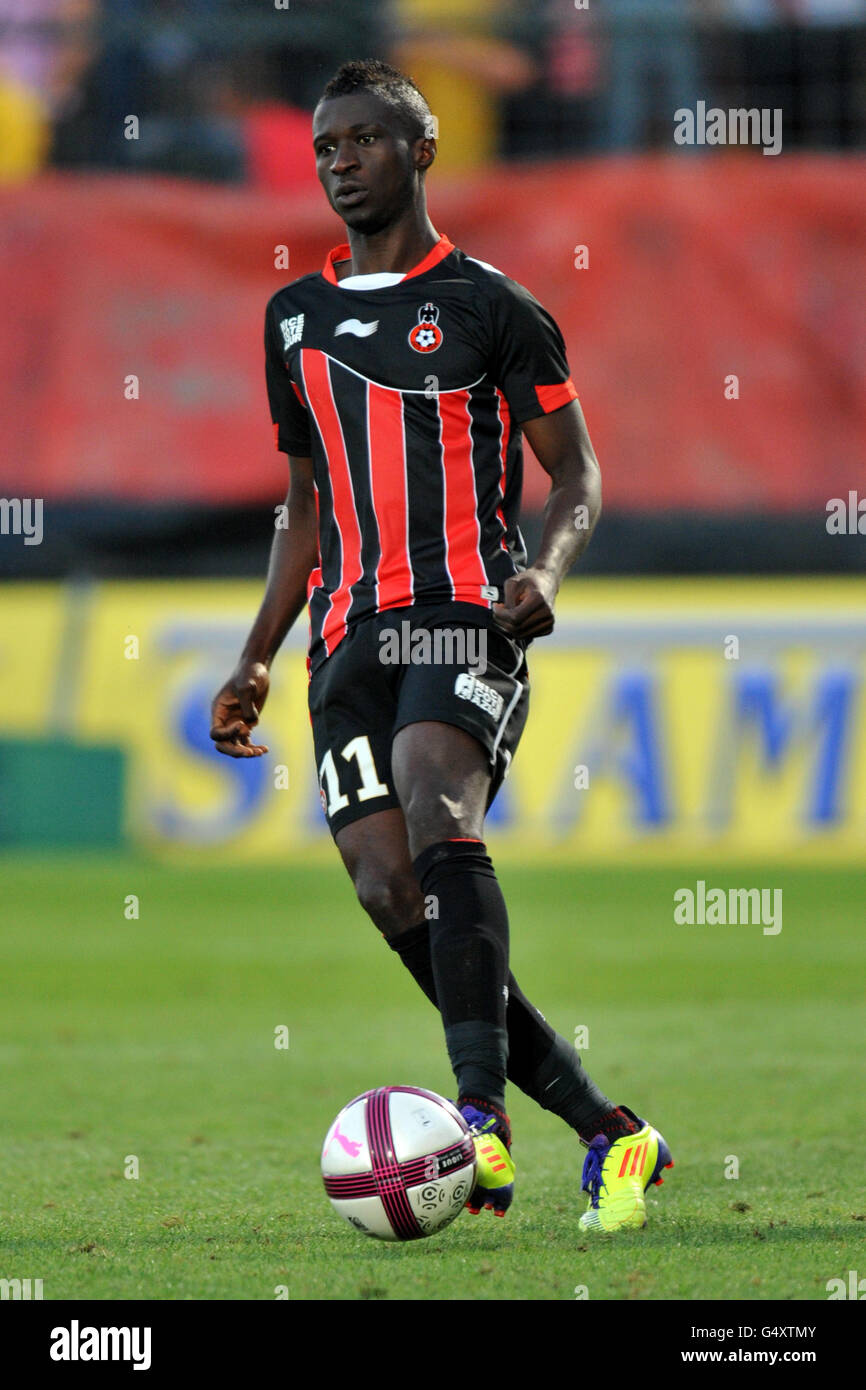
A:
(352, 708)
(457, 730)
(375, 850)
(543, 1064)
(445, 782)
(442, 776)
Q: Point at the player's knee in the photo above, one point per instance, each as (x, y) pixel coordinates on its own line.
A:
(431, 818)
(392, 900)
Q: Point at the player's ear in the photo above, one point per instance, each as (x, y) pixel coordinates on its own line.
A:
(424, 152)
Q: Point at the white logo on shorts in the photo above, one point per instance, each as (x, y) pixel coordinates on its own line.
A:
(471, 688)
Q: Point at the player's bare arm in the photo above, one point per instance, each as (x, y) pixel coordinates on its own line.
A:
(562, 446)
(236, 708)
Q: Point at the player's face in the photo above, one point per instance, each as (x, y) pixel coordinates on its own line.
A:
(364, 162)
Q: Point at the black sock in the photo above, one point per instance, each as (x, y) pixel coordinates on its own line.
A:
(469, 958)
(413, 948)
(560, 1084)
(611, 1123)
(546, 1067)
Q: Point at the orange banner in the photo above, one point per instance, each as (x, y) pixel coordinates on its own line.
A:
(713, 309)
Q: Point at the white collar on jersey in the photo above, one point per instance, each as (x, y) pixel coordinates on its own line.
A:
(381, 280)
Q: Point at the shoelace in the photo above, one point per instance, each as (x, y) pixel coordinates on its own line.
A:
(592, 1180)
(477, 1120)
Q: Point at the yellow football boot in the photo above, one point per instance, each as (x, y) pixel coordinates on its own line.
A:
(494, 1180)
(617, 1173)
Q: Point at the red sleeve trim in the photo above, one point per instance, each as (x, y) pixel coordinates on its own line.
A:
(276, 435)
(298, 394)
(553, 397)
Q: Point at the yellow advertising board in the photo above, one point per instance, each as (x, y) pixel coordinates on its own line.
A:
(667, 719)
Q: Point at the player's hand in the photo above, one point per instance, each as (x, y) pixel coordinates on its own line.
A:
(528, 607)
(235, 711)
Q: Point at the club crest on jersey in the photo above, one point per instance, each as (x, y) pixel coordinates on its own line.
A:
(426, 336)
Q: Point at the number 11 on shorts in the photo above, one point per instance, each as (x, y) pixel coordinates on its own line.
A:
(359, 749)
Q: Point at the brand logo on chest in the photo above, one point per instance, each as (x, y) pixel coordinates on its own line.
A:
(360, 330)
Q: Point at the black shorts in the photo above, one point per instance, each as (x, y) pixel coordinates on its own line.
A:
(401, 667)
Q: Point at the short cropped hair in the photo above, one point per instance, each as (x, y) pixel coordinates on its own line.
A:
(395, 88)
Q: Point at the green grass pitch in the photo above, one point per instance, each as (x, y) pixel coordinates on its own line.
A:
(154, 1038)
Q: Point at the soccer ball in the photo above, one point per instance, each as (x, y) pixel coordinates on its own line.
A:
(399, 1163)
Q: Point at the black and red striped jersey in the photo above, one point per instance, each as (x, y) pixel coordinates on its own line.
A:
(408, 392)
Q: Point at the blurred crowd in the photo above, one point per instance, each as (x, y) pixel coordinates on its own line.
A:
(222, 90)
